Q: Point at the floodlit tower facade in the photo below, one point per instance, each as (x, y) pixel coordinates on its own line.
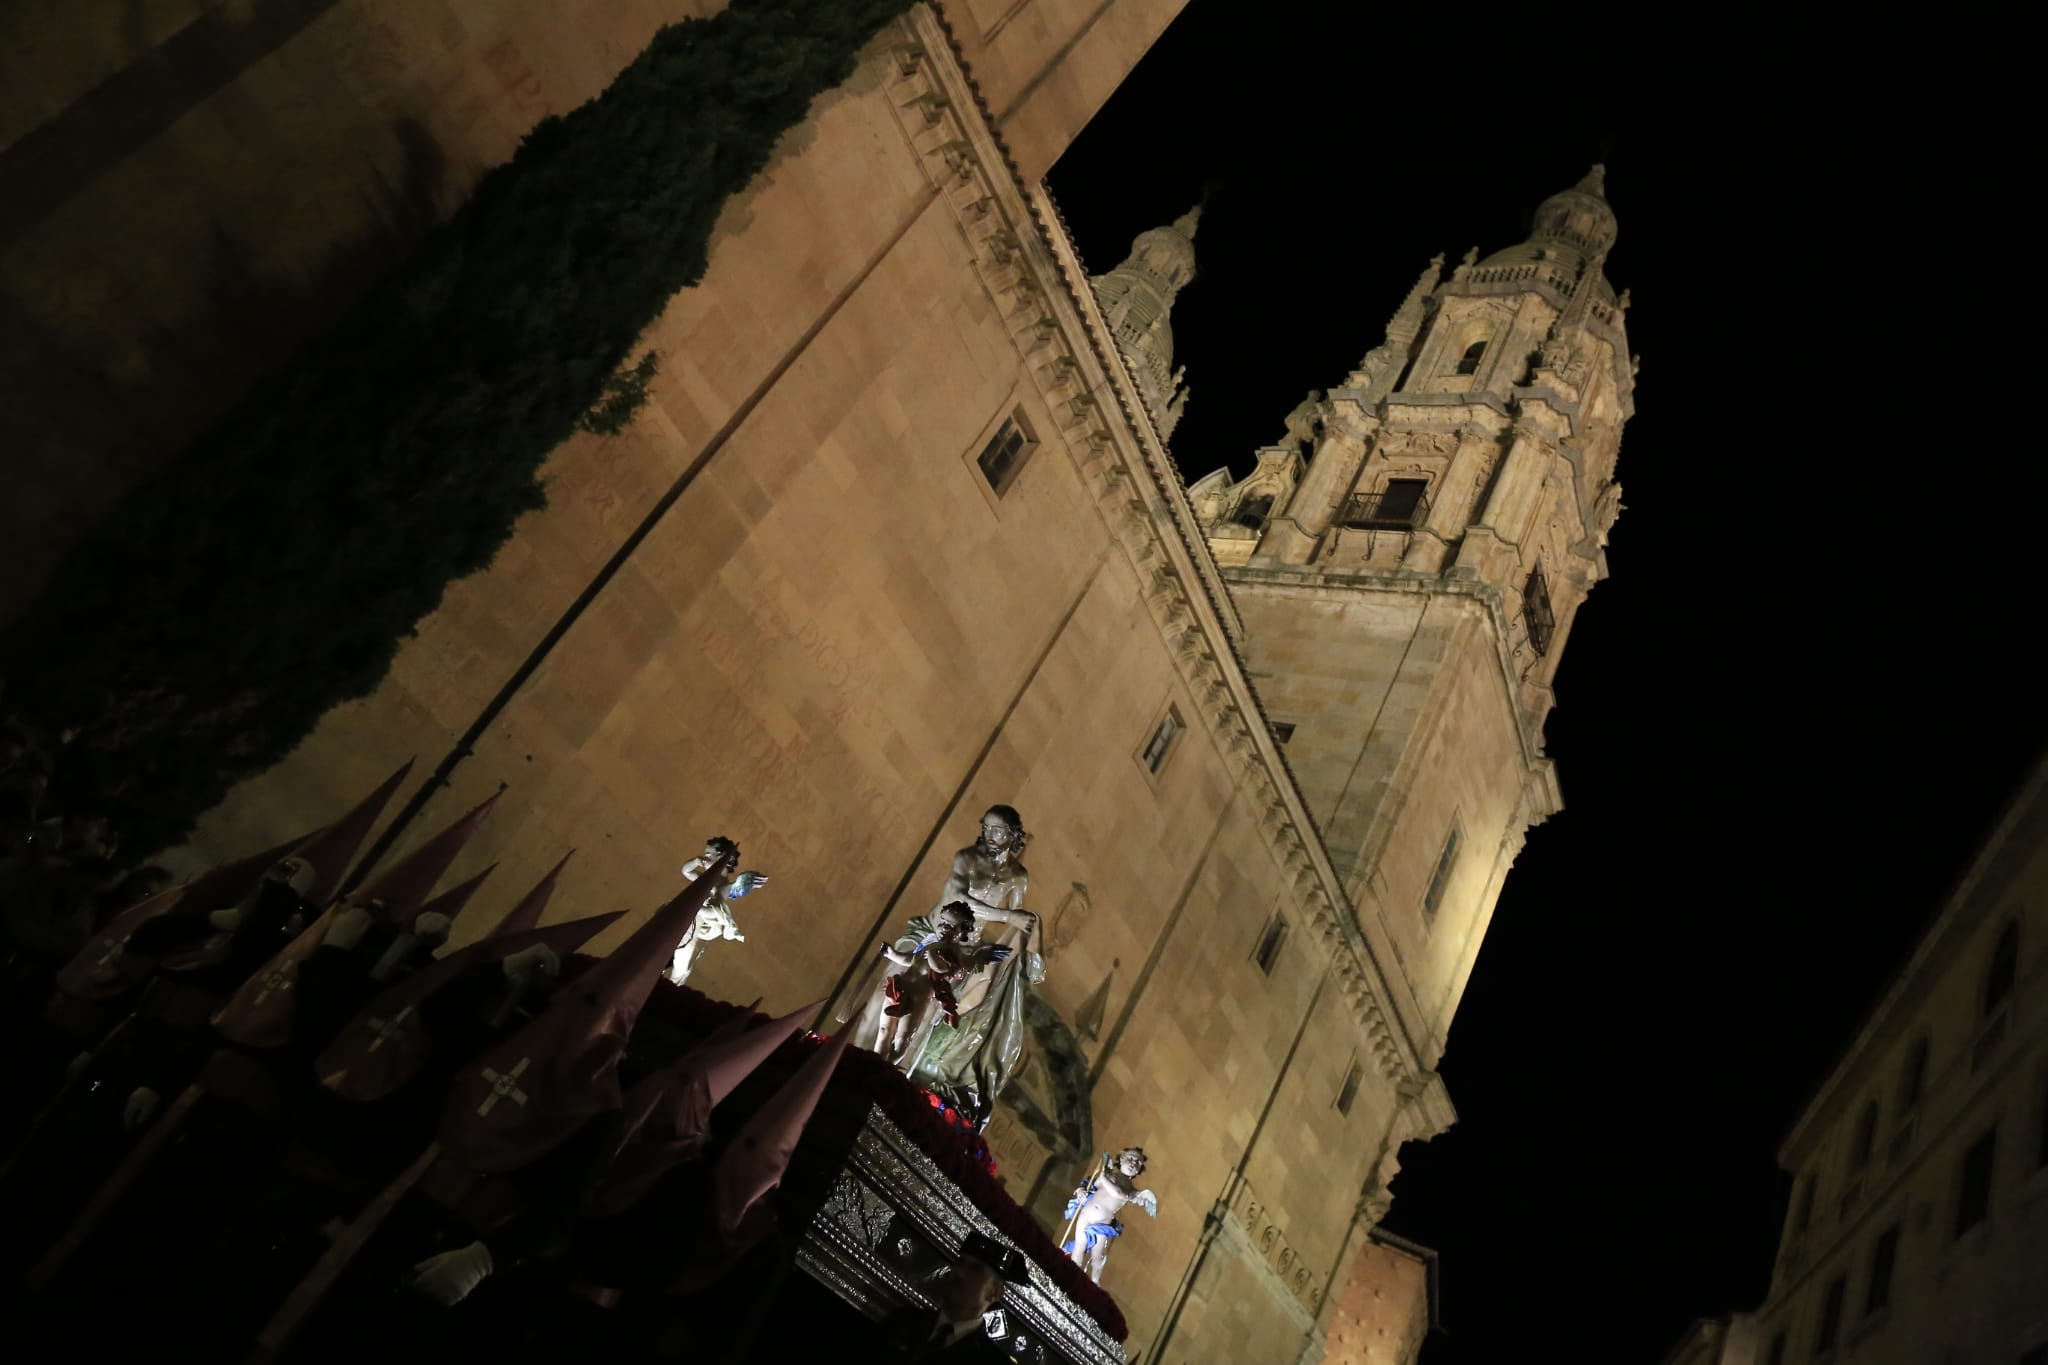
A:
(1409, 562)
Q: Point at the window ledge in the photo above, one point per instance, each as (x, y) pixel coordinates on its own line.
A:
(1964, 1248)
(1871, 1325)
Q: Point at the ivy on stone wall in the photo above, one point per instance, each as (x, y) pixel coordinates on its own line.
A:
(271, 570)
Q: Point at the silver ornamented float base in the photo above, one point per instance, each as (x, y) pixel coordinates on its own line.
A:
(891, 1226)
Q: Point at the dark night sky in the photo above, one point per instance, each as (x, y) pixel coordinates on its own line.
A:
(1786, 720)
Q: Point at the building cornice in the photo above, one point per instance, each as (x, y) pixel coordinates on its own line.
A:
(1311, 582)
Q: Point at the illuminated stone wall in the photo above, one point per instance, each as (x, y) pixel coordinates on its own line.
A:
(793, 611)
(1383, 1312)
(191, 188)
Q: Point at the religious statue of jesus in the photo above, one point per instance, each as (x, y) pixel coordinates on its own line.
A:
(966, 1055)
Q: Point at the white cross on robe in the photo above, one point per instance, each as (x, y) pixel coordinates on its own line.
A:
(279, 981)
(387, 1029)
(505, 1086)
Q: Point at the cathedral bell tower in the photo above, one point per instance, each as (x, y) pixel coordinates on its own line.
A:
(1408, 562)
(1137, 301)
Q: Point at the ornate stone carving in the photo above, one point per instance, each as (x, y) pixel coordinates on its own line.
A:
(1305, 421)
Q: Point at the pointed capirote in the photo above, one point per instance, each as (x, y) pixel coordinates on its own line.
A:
(518, 1101)
(388, 1041)
(655, 1091)
(728, 1062)
(404, 886)
(451, 901)
(698, 1081)
(103, 967)
(668, 1112)
(332, 849)
(526, 915)
(259, 1013)
(753, 1164)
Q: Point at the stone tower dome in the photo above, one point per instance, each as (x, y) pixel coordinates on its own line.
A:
(1573, 230)
(1573, 227)
(1578, 216)
(1137, 298)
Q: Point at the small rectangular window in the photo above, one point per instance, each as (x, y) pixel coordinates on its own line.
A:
(1283, 730)
(1882, 1259)
(1350, 1091)
(1830, 1316)
(1913, 1076)
(1270, 939)
(1402, 498)
(1004, 455)
(1986, 1046)
(1803, 1218)
(1445, 861)
(1400, 506)
(1536, 612)
(1973, 1192)
(1866, 1137)
(1161, 743)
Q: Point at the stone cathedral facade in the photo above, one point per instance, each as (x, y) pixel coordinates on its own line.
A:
(900, 537)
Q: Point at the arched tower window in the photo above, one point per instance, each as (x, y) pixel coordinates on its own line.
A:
(1866, 1137)
(1253, 512)
(1468, 363)
(2003, 969)
(1913, 1076)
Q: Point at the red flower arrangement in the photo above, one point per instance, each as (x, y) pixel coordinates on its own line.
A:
(939, 1130)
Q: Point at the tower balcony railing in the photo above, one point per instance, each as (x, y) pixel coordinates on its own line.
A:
(1394, 509)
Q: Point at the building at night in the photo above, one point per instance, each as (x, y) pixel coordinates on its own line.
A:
(1389, 1305)
(899, 537)
(1730, 1340)
(1918, 1225)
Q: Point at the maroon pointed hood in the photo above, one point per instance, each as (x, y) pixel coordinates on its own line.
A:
(752, 1165)
(406, 884)
(451, 901)
(537, 1087)
(668, 1112)
(651, 1092)
(332, 849)
(526, 915)
(388, 1042)
(103, 968)
(259, 1013)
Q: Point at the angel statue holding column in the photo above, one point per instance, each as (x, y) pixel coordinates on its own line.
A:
(1092, 1213)
(714, 920)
